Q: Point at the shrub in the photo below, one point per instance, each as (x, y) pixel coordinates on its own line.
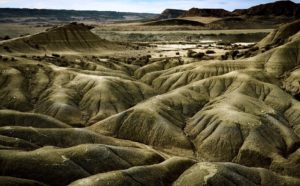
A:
(55, 55)
(6, 38)
(234, 53)
(268, 47)
(190, 53)
(36, 46)
(253, 49)
(210, 52)
(7, 48)
(193, 54)
(199, 55)
(224, 57)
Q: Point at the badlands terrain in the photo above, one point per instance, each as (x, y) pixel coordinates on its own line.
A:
(77, 109)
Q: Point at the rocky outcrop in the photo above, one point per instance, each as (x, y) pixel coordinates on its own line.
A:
(170, 14)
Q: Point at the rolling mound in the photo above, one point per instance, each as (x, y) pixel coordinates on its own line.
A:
(73, 37)
(85, 120)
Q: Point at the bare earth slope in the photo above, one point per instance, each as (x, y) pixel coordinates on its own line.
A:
(86, 120)
(69, 38)
(280, 35)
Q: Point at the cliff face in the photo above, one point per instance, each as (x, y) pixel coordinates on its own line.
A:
(171, 13)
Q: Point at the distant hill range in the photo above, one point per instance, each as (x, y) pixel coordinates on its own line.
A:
(263, 16)
(40, 15)
(278, 8)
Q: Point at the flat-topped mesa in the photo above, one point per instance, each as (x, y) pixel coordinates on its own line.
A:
(68, 38)
(207, 13)
(278, 8)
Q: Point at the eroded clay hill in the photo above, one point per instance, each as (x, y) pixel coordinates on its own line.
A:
(69, 38)
(86, 120)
